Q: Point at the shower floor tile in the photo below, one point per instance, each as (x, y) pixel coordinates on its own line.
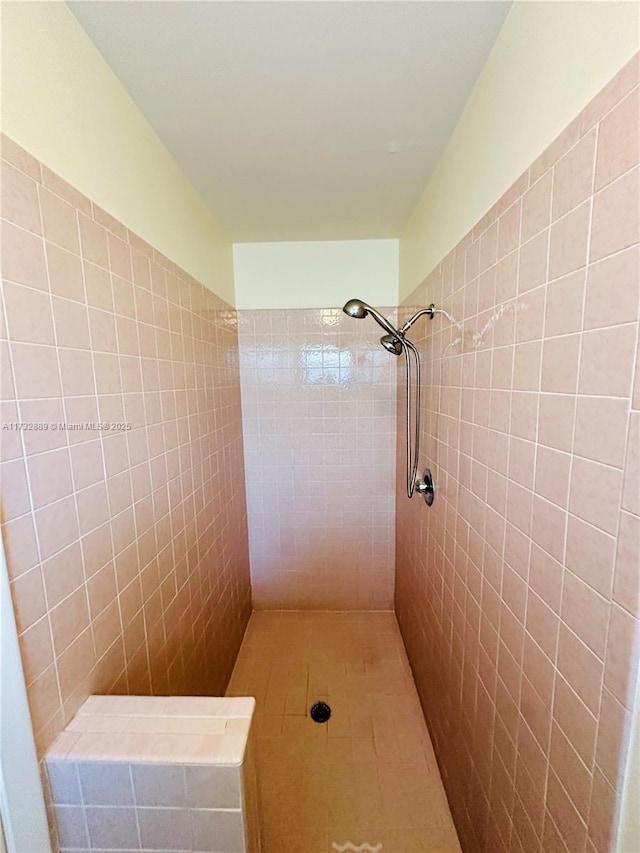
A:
(369, 774)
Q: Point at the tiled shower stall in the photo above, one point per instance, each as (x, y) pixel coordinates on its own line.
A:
(253, 454)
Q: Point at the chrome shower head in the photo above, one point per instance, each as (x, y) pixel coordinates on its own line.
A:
(355, 308)
(392, 344)
(359, 309)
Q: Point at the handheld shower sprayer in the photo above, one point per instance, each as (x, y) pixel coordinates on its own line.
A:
(358, 309)
(395, 342)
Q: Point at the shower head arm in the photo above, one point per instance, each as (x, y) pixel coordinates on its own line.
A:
(429, 312)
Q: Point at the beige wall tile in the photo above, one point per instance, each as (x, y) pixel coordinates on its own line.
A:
(59, 221)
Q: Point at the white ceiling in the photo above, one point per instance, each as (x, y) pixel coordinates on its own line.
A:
(300, 120)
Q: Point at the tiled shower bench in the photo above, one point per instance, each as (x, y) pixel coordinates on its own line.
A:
(140, 773)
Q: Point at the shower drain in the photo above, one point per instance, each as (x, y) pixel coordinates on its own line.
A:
(320, 712)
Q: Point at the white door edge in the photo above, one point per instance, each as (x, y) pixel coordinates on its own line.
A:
(24, 817)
